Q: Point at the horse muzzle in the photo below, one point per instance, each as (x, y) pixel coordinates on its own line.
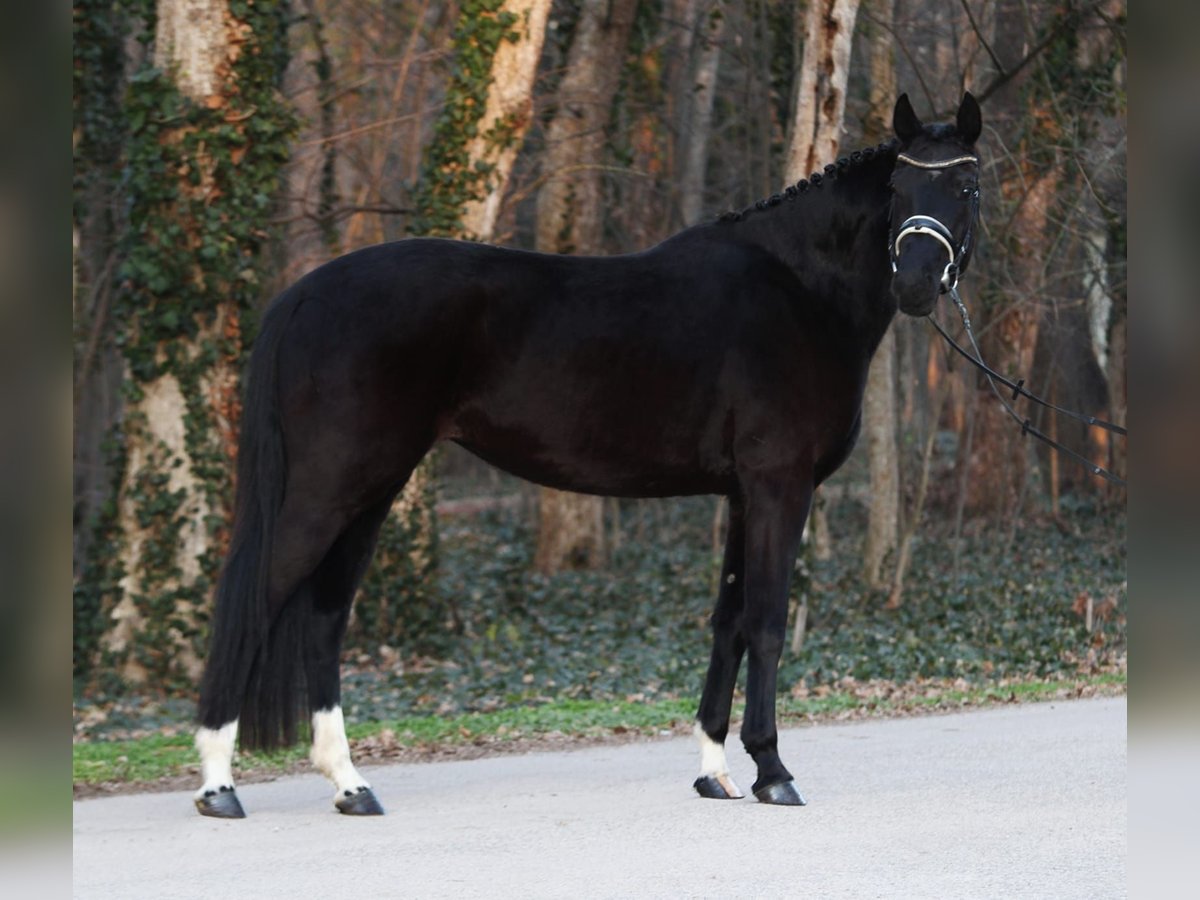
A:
(916, 289)
(919, 278)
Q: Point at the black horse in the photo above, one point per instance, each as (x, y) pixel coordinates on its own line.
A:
(730, 359)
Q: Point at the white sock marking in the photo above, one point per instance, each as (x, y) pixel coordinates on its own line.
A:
(713, 763)
(331, 751)
(216, 756)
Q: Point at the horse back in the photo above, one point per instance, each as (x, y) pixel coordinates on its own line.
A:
(638, 375)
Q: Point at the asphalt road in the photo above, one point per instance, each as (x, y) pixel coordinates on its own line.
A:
(1020, 801)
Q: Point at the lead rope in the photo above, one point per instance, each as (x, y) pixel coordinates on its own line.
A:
(1018, 390)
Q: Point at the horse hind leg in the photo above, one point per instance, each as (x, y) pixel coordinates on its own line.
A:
(333, 586)
(216, 796)
(299, 545)
(257, 694)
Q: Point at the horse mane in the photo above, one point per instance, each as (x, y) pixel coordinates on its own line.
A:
(832, 171)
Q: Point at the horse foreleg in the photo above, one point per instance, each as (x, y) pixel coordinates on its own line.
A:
(712, 720)
(776, 510)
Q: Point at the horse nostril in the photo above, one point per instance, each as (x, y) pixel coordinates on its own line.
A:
(915, 290)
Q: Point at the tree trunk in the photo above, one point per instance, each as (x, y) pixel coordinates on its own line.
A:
(487, 110)
(879, 403)
(100, 30)
(997, 466)
(698, 114)
(509, 106)
(821, 99)
(570, 219)
(816, 128)
(879, 417)
(189, 275)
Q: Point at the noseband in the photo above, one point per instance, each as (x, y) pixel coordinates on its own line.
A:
(928, 225)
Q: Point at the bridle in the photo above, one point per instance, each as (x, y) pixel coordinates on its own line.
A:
(928, 225)
(931, 227)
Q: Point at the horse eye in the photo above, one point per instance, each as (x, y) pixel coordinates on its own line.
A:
(968, 191)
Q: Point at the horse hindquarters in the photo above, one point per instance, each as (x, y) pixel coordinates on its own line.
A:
(315, 482)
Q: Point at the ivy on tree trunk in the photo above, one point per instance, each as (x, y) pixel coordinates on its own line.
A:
(207, 134)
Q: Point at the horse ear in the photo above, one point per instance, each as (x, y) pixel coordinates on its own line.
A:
(970, 120)
(904, 120)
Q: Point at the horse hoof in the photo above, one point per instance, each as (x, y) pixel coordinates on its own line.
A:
(221, 804)
(358, 803)
(782, 794)
(717, 787)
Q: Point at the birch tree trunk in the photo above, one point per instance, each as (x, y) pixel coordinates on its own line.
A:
(189, 274)
(488, 105)
(817, 126)
(821, 98)
(506, 114)
(570, 219)
(879, 404)
(488, 148)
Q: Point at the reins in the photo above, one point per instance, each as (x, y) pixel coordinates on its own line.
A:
(931, 227)
(1018, 390)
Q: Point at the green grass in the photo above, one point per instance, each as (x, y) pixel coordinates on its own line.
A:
(157, 757)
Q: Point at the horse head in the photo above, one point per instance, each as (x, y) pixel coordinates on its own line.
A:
(935, 204)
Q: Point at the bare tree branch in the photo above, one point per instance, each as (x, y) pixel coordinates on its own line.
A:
(1068, 23)
(982, 40)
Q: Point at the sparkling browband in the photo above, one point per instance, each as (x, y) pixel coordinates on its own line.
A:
(939, 164)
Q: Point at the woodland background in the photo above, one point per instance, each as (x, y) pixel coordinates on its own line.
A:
(225, 147)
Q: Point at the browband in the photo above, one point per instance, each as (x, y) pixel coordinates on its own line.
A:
(939, 164)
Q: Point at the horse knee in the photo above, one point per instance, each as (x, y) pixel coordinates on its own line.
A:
(766, 643)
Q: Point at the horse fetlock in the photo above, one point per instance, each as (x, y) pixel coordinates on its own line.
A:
(215, 796)
(330, 754)
(714, 781)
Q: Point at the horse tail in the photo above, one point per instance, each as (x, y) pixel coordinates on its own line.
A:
(254, 668)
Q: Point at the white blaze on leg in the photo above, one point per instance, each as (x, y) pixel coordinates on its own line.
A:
(331, 751)
(216, 757)
(713, 763)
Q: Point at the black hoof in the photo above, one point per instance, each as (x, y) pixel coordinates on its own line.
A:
(717, 787)
(221, 804)
(782, 794)
(358, 803)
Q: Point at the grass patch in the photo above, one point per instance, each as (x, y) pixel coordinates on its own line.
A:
(158, 757)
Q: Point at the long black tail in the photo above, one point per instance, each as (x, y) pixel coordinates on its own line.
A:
(254, 670)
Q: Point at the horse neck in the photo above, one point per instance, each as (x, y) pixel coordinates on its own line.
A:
(834, 238)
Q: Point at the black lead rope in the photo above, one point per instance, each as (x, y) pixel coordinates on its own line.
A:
(1018, 390)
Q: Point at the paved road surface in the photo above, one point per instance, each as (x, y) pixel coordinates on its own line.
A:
(1023, 801)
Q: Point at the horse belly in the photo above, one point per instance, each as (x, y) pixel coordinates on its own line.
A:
(618, 448)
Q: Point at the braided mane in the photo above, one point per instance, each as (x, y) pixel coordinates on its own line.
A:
(815, 180)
